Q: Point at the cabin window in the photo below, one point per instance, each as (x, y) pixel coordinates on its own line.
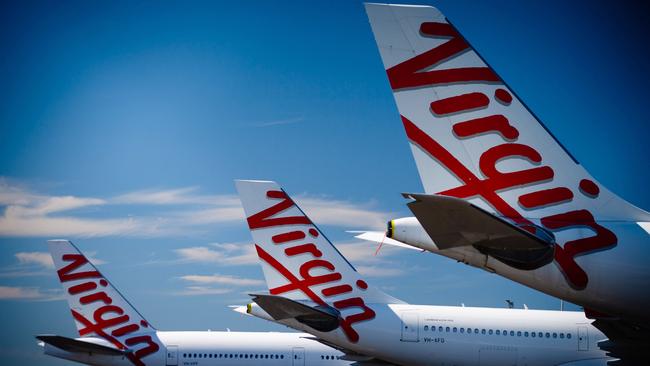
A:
(482, 331)
(540, 334)
(490, 332)
(562, 335)
(533, 334)
(498, 332)
(475, 330)
(447, 329)
(433, 329)
(455, 329)
(568, 335)
(554, 335)
(505, 332)
(548, 335)
(512, 333)
(426, 328)
(525, 334)
(462, 330)
(519, 333)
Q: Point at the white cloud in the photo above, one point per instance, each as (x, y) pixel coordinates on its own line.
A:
(177, 211)
(40, 258)
(324, 211)
(223, 280)
(379, 271)
(223, 254)
(29, 293)
(202, 290)
(179, 196)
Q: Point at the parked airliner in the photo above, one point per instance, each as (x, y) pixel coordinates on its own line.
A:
(112, 332)
(502, 194)
(313, 288)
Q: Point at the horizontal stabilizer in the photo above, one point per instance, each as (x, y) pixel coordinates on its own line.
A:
(380, 237)
(453, 222)
(324, 319)
(77, 346)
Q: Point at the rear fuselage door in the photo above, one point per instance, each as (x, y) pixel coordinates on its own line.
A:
(298, 356)
(172, 356)
(583, 339)
(410, 326)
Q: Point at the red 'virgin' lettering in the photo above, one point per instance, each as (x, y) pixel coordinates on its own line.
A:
(497, 123)
(152, 347)
(336, 290)
(263, 218)
(77, 260)
(604, 238)
(459, 103)
(422, 71)
(98, 296)
(366, 314)
(545, 197)
(101, 323)
(302, 249)
(305, 285)
(473, 186)
(408, 74)
(290, 236)
(83, 287)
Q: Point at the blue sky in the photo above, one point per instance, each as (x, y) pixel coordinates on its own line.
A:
(123, 125)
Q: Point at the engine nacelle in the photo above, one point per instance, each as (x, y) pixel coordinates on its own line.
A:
(408, 230)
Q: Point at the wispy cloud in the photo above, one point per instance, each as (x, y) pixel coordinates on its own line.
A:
(202, 290)
(379, 271)
(222, 280)
(167, 212)
(334, 212)
(180, 196)
(29, 294)
(278, 122)
(40, 258)
(219, 253)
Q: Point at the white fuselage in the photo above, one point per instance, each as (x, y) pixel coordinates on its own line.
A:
(441, 335)
(616, 274)
(223, 348)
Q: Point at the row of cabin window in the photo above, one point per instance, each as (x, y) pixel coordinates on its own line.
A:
(230, 355)
(326, 357)
(499, 332)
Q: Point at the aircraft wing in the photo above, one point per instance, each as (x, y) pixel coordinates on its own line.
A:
(323, 319)
(625, 341)
(78, 346)
(453, 222)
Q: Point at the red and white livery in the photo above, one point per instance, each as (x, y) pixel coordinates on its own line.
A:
(557, 228)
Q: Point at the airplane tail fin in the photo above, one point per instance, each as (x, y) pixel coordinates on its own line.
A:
(299, 262)
(471, 136)
(97, 306)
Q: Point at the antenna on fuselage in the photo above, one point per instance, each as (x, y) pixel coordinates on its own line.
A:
(511, 304)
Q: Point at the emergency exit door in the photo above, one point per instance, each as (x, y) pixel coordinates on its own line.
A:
(410, 326)
(298, 356)
(583, 339)
(172, 355)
